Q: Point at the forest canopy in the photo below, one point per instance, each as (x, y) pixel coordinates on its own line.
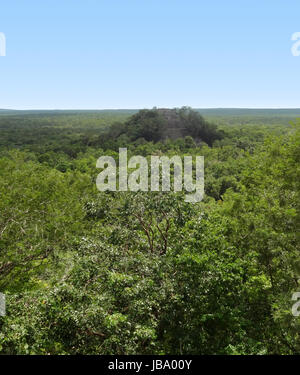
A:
(89, 272)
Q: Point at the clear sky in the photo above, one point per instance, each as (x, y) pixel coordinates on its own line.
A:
(96, 54)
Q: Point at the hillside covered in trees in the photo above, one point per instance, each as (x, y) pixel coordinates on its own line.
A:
(161, 124)
(90, 272)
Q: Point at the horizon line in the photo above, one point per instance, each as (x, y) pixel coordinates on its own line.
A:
(134, 109)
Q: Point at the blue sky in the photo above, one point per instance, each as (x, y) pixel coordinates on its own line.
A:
(94, 54)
